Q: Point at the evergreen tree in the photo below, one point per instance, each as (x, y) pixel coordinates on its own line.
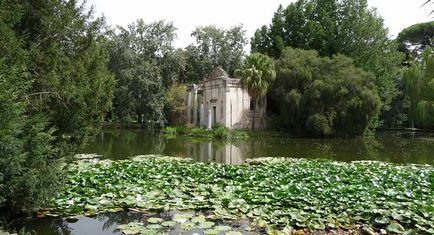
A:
(54, 90)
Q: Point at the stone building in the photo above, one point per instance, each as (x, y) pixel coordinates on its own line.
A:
(223, 101)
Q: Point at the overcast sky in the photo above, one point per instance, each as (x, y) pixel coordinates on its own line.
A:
(187, 14)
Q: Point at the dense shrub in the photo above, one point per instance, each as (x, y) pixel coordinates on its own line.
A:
(322, 96)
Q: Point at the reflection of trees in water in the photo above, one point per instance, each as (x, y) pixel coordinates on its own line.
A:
(113, 219)
(46, 226)
(391, 146)
(119, 144)
(372, 148)
(407, 147)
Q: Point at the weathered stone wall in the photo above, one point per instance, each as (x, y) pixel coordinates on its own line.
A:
(231, 103)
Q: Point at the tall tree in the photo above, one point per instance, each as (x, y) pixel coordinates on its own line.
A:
(419, 90)
(257, 75)
(322, 96)
(54, 90)
(333, 27)
(414, 39)
(214, 47)
(145, 64)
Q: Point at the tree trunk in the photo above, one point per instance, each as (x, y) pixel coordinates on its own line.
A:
(412, 115)
(253, 116)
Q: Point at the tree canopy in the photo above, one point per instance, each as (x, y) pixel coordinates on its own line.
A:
(214, 47)
(145, 63)
(322, 96)
(333, 27)
(54, 91)
(419, 90)
(414, 39)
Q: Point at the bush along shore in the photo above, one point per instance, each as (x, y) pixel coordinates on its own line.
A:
(274, 194)
(219, 132)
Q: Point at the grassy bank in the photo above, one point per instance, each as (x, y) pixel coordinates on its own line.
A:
(277, 194)
(219, 132)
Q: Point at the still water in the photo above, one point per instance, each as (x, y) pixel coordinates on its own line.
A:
(399, 147)
(390, 146)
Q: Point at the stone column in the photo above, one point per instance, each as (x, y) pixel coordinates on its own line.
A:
(209, 124)
(194, 106)
(188, 121)
(202, 114)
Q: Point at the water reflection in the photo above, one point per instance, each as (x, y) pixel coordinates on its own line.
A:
(400, 147)
(102, 224)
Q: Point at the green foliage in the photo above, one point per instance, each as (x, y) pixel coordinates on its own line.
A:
(54, 91)
(298, 193)
(214, 47)
(145, 64)
(419, 91)
(169, 130)
(175, 104)
(323, 96)
(347, 27)
(414, 39)
(257, 75)
(218, 131)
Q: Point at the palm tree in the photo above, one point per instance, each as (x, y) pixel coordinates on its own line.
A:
(428, 1)
(257, 74)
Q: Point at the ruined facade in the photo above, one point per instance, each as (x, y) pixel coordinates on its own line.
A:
(220, 99)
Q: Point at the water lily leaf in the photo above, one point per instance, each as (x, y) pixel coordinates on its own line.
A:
(233, 233)
(198, 219)
(211, 231)
(150, 232)
(222, 228)
(395, 228)
(206, 224)
(131, 231)
(154, 220)
(187, 225)
(168, 224)
(153, 226)
(381, 220)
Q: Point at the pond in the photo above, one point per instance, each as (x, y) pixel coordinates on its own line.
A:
(109, 224)
(115, 144)
(390, 146)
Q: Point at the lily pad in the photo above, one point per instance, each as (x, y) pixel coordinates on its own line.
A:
(211, 231)
(395, 228)
(181, 218)
(233, 233)
(154, 220)
(222, 228)
(153, 226)
(187, 225)
(168, 224)
(198, 219)
(206, 224)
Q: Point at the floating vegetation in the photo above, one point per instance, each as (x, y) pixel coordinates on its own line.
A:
(275, 194)
(180, 223)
